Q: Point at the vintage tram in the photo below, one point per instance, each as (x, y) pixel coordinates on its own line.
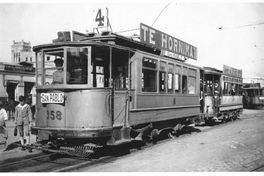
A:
(112, 89)
(253, 97)
(222, 93)
(108, 90)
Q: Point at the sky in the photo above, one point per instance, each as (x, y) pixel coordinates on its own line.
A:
(238, 43)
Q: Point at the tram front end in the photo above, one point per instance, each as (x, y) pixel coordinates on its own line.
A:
(73, 105)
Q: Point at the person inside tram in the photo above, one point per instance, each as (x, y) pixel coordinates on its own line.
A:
(233, 91)
(59, 73)
(120, 80)
(76, 71)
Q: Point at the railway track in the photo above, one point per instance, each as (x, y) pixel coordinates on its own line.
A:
(40, 163)
(64, 163)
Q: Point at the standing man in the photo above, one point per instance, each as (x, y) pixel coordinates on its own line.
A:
(23, 120)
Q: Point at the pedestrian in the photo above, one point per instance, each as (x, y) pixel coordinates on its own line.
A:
(23, 121)
(3, 119)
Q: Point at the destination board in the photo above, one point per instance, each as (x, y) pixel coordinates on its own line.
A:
(230, 71)
(163, 41)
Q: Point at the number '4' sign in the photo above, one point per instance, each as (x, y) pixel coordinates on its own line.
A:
(99, 18)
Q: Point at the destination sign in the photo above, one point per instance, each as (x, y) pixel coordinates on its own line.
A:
(230, 71)
(163, 41)
(18, 68)
(52, 97)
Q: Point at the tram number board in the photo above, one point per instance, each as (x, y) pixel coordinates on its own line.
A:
(52, 97)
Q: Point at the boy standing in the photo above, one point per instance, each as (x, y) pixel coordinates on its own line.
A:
(23, 120)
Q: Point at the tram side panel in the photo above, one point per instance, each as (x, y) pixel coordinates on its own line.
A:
(149, 107)
(88, 109)
(231, 102)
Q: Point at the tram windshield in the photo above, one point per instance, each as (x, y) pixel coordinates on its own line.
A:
(84, 66)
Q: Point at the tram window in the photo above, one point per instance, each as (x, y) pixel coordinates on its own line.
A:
(236, 89)
(250, 93)
(191, 81)
(225, 91)
(149, 75)
(177, 83)
(162, 77)
(149, 81)
(191, 85)
(209, 87)
(240, 89)
(170, 78)
(99, 69)
(77, 60)
(232, 91)
(54, 74)
(120, 68)
(39, 68)
(184, 84)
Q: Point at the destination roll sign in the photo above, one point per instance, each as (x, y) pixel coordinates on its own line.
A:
(163, 41)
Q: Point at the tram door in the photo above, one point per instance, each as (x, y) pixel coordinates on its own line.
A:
(212, 93)
(120, 77)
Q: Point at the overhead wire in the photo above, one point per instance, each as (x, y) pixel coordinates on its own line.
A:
(160, 14)
(246, 25)
(152, 23)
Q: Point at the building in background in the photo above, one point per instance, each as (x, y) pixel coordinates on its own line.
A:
(22, 52)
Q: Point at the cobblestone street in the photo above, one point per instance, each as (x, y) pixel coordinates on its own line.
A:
(234, 146)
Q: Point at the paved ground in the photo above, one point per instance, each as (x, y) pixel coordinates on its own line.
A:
(11, 138)
(235, 146)
(13, 150)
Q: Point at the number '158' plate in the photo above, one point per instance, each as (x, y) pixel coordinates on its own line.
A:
(52, 97)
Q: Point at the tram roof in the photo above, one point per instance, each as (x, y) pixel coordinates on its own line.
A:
(210, 70)
(252, 88)
(108, 38)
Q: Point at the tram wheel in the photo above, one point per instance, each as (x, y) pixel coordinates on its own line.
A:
(154, 136)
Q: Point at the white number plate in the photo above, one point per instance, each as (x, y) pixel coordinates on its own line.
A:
(261, 98)
(52, 97)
